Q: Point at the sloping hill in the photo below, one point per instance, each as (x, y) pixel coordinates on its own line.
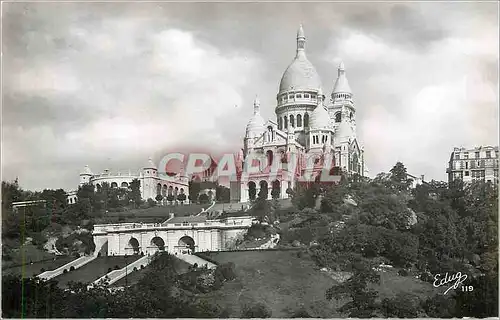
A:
(285, 283)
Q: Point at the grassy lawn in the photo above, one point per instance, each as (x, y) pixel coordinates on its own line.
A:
(35, 268)
(162, 211)
(285, 282)
(26, 254)
(278, 279)
(179, 265)
(94, 269)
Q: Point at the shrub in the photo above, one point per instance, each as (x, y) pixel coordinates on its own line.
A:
(42, 270)
(258, 310)
(403, 273)
(301, 313)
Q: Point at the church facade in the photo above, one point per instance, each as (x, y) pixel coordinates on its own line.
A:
(308, 124)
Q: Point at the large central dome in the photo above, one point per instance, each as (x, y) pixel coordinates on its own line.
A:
(300, 74)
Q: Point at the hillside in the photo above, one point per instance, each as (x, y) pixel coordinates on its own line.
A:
(286, 283)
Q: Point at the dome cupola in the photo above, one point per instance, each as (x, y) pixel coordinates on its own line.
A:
(256, 125)
(150, 165)
(300, 74)
(86, 171)
(319, 118)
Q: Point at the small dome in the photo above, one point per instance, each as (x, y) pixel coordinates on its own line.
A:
(319, 118)
(256, 125)
(86, 171)
(150, 164)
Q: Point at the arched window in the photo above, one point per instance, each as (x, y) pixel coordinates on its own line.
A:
(306, 120)
(285, 119)
(299, 120)
(350, 116)
(269, 154)
(338, 117)
(280, 123)
(292, 121)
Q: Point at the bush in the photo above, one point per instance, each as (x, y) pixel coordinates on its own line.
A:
(403, 273)
(301, 313)
(258, 310)
(42, 270)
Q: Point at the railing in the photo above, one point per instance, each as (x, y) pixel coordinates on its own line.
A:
(116, 275)
(138, 226)
(77, 263)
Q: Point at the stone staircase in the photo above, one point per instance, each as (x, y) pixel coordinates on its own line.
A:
(116, 275)
(192, 259)
(77, 263)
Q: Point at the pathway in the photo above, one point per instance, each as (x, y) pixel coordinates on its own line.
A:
(192, 259)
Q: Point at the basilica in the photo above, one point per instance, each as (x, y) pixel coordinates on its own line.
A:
(307, 124)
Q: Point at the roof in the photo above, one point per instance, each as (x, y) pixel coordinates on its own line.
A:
(319, 118)
(341, 84)
(300, 74)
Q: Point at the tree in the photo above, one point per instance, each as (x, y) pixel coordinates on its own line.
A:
(203, 198)
(363, 300)
(159, 197)
(399, 177)
(135, 192)
(194, 189)
(181, 197)
(258, 310)
(403, 305)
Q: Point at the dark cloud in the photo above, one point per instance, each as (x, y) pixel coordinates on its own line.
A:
(110, 84)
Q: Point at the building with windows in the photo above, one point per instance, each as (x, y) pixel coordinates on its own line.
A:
(151, 184)
(307, 124)
(480, 163)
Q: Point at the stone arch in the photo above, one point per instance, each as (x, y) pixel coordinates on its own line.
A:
(164, 190)
(158, 189)
(252, 190)
(292, 121)
(170, 190)
(270, 157)
(181, 191)
(186, 242)
(114, 185)
(338, 116)
(264, 188)
(98, 186)
(306, 120)
(134, 244)
(158, 242)
(276, 189)
(124, 185)
(299, 120)
(176, 191)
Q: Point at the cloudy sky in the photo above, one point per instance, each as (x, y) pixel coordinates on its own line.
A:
(110, 84)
